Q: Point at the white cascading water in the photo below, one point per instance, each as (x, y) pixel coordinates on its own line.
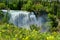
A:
(25, 19)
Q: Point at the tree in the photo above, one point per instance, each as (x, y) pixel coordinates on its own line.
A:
(2, 6)
(27, 6)
(53, 19)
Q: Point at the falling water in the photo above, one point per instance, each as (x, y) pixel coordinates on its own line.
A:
(24, 18)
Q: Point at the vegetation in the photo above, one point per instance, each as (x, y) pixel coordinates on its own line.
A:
(11, 32)
(37, 7)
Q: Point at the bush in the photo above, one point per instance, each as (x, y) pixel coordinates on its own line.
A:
(1, 16)
(11, 32)
(37, 7)
(6, 18)
(2, 6)
(34, 27)
(27, 6)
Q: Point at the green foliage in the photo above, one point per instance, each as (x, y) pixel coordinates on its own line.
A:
(11, 32)
(34, 27)
(27, 6)
(6, 18)
(58, 15)
(1, 14)
(53, 22)
(37, 7)
(2, 6)
(48, 9)
(12, 6)
(31, 5)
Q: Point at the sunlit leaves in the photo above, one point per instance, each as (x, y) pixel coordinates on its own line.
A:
(27, 6)
(14, 33)
(37, 7)
(2, 5)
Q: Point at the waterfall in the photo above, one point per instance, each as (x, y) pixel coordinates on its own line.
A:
(24, 18)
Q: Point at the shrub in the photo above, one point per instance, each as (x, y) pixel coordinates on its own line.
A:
(34, 27)
(11, 32)
(2, 6)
